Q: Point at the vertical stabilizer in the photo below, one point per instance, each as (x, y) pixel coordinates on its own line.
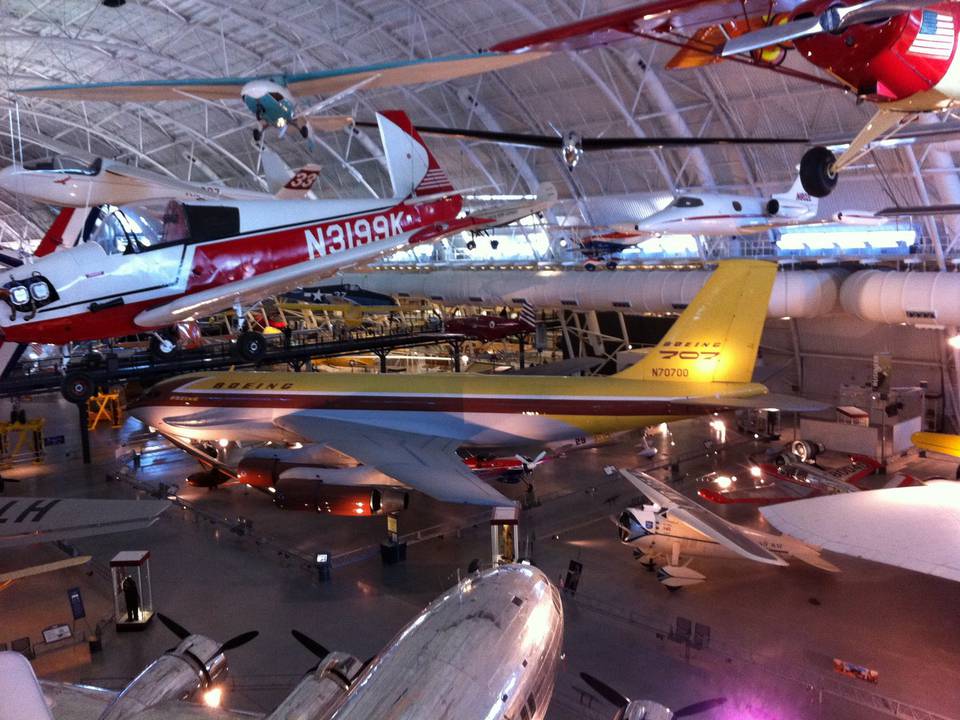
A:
(414, 170)
(716, 337)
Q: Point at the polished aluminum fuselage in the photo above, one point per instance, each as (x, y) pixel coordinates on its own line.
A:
(482, 651)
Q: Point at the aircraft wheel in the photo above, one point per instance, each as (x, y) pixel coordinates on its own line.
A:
(611, 265)
(494, 244)
(251, 345)
(162, 348)
(589, 267)
(304, 132)
(816, 171)
(257, 134)
(77, 387)
(471, 245)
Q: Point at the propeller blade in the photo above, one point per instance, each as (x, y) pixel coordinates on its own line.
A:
(179, 630)
(699, 707)
(235, 642)
(539, 458)
(773, 35)
(310, 644)
(605, 691)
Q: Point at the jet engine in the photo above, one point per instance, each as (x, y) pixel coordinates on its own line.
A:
(352, 500)
(196, 664)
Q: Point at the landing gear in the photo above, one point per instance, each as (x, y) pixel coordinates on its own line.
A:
(162, 347)
(251, 345)
(471, 244)
(257, 135)
(590, 266)
(494, 244)
(77, 387)
(816, 171)
(611, 265)
(304, 131)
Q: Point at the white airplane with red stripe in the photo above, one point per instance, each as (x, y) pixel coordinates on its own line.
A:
(146, 267)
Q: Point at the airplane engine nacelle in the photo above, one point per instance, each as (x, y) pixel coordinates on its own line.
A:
(176, 675)
(320, 691)
(259, 472)
(345, 500)
(785, 208)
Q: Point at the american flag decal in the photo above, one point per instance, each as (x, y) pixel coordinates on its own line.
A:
(528, 314)
(935, 38)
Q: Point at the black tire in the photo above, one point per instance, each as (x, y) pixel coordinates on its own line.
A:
(77, 387)
(589, 267)
(611, 265)
(816, 171)
(494, 244)
(471, 245)
(251, 345)
(157, 351)
(257, 134)
(304, 132)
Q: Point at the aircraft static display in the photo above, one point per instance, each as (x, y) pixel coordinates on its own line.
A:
(410, 427)
(900, 55)
(668, 526)
(488, 647)
(272, 98)
(147, 267)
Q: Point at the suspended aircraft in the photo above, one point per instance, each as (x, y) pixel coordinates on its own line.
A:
(272, 98)
(444, 663)
(491, 328)
(145, 268)
(410, 428)
(897, 54)
(668, 527)
(572, 145)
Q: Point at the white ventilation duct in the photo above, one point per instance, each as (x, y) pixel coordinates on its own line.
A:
(917, 298)
(799, 294)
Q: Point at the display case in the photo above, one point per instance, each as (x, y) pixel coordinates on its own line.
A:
(132, 590)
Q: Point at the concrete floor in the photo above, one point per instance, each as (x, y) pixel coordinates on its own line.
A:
(774, 631)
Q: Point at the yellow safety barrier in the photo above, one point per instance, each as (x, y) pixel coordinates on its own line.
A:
(14, 437)
(104, 406)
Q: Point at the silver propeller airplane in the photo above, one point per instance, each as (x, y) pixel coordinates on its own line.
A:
(487, 648)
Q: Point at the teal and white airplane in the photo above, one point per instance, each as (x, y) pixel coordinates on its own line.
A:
(272, 98)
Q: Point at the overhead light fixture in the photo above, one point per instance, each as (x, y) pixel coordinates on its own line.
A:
(954, 342)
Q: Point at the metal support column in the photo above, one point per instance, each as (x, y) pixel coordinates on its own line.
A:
(84, 431)
(522, 345)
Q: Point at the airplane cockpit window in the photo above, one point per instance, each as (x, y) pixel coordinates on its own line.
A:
(63, 164)
(687, 201)
(136, 228)
(277, 96)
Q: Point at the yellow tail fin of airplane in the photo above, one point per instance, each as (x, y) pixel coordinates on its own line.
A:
(716, 337)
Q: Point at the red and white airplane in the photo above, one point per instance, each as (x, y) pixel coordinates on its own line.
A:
(147, 267)
(900, 54)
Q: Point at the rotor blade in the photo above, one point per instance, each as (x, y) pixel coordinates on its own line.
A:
(310, 644)
(772, 35)
(179, 630)
(607, 692)
(235, 642)
(699, 707)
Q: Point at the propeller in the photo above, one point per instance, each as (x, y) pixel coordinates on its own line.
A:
(834, 20)
(310, 644)
(179, 630)
(529, 465)
(623, 702)
(699, 707)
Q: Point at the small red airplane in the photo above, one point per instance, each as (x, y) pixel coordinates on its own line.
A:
(900, 54)
(148, 267)
(491, 328)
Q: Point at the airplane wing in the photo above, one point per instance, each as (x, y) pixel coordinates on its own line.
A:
(775, 401)
(321, 82)
(82, 702)
(275, 282)
(910, 527)
(685, 510)
(426, 463)
(404, 72)
(941, 443)
(918, 210)
(775, 492)
(26, 520)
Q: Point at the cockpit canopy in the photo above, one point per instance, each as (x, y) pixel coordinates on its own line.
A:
(61, 164)
(687, 201)
(146, 226)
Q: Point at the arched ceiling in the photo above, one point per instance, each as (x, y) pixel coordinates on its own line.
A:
(623, 90)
